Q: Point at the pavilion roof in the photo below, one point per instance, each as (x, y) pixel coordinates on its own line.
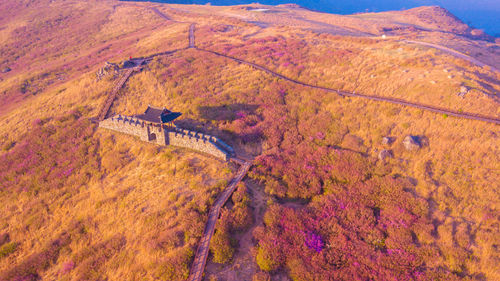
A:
(158, 115)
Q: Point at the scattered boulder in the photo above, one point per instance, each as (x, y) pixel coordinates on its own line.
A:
(387, 140)
(463, 91)
(384, 154)
(108, 68)
(6, 69)
(411, 143)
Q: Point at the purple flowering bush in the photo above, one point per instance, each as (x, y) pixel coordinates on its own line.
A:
(54, 153)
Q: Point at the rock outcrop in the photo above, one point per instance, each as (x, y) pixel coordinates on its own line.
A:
(387, 140)
(384, 154)
(463, 91)
(412, 143)
(108, 68)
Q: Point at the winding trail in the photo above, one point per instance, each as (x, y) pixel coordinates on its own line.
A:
(162, 15)
(454, 53)
(397, 101)
(198, 266)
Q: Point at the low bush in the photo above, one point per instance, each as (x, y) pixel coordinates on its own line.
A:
(8, 248)
(30, 268)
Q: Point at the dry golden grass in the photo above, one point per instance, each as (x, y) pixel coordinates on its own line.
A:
(149, 196)
(454, 172)
(146, 193)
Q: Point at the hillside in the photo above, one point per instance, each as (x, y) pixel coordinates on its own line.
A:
(333, 193)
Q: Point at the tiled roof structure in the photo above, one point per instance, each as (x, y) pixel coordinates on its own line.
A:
(158, 115)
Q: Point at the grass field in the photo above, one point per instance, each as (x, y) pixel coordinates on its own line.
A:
(80, 203)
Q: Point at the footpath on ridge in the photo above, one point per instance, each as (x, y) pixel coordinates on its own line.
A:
(435, 109)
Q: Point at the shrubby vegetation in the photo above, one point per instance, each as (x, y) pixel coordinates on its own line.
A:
(232, 220)
(53, 154)
(426, 215)
(313, 144)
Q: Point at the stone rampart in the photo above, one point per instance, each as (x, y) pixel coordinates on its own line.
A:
(197, 141)
(175, 136)
(127, 125)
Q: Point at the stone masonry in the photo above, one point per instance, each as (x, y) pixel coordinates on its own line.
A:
(173, 136)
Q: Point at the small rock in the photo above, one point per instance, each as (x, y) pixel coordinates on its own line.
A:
(450, 76)
(463, 91)
(6, 69)
(372, 76)
(411, 143)
(386, 140)
(384, 154)
(433, 82)
(445, 70)
(405, 70)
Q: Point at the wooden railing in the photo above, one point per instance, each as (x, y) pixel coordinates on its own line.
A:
(103, 112)
(200, 259)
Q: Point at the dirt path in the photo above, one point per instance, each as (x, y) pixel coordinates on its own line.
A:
(162, 15)
(103, 112)
(454, 53)
(191, 36)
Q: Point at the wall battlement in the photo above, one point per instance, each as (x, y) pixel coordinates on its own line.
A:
(172, 136)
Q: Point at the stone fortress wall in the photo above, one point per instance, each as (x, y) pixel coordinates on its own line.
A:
(174, 136)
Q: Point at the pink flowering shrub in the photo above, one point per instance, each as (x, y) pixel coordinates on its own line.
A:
(52, 154)
(343, 237)
(356, 226)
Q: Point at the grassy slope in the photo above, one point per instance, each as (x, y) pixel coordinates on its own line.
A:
(458, 195)
(454, 173)
(159, 196)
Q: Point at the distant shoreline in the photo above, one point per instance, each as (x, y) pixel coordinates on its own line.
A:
(481, 19)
